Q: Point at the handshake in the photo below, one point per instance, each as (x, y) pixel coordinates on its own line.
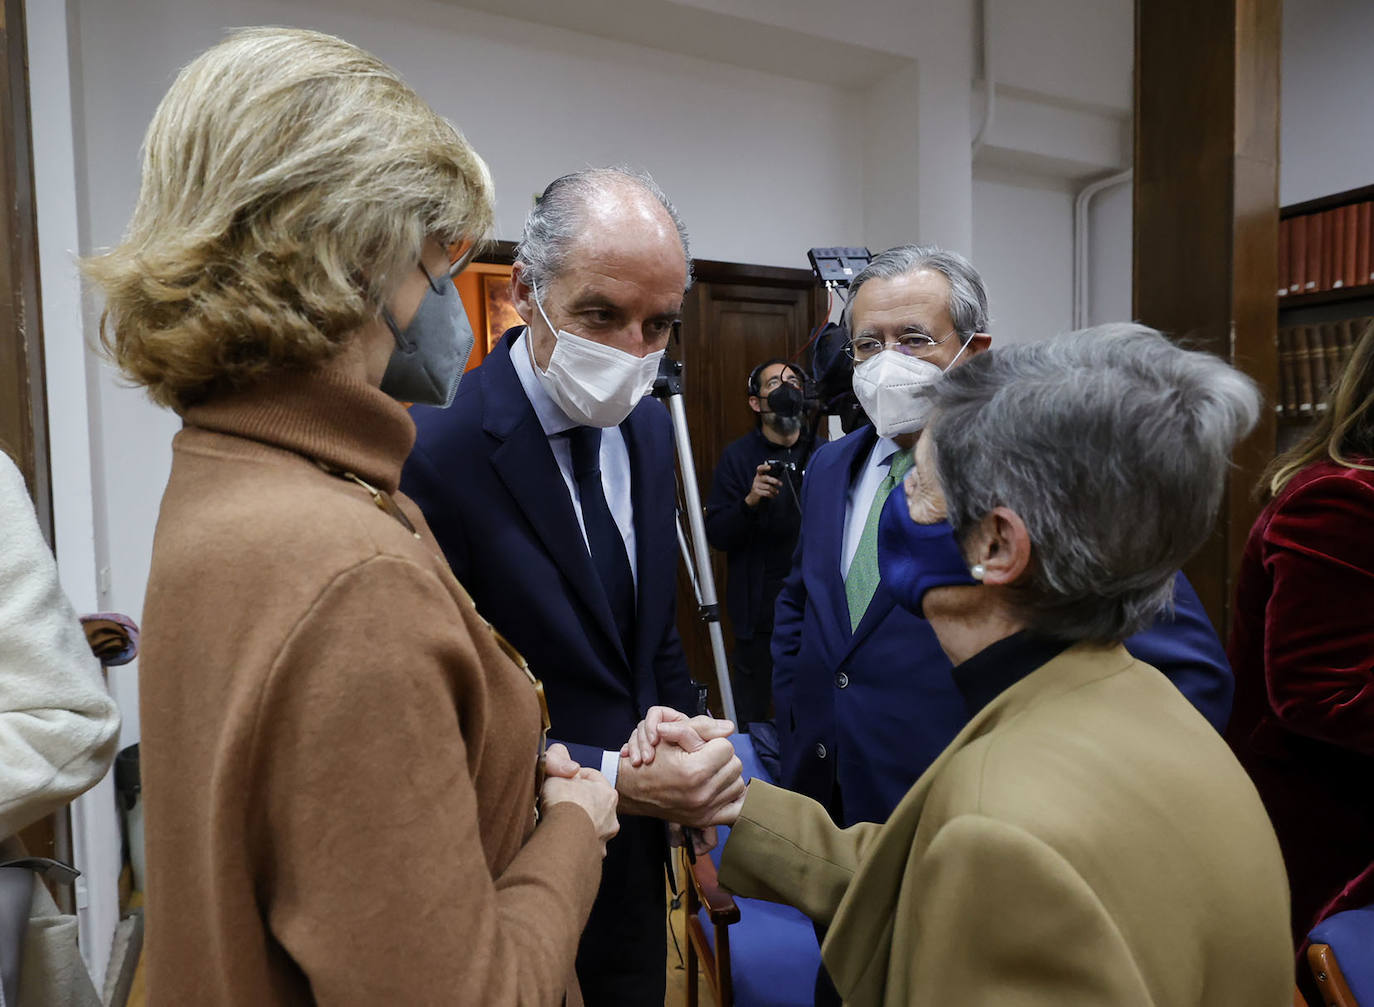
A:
(678, 768)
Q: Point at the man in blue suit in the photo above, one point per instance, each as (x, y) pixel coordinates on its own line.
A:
(864, 696)
(863, 693)
(550, 486)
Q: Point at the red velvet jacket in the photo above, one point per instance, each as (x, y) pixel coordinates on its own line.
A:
(1302, 646)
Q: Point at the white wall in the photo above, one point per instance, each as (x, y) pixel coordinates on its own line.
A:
(1063, 70)
(1078, 50)
(1326, 137)
(761, 167)
(1023, 247)
(95, 827)
(1109, 268)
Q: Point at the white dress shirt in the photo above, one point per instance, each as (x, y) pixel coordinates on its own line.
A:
(615, 474)
(861, 494)
(615, 456)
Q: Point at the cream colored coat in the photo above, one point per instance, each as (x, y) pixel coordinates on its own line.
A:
(58, 730)
(1087, 838)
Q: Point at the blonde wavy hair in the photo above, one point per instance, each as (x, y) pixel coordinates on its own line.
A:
(290, 179)
(1344, 431)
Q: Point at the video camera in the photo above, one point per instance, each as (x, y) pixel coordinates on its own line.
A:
(832, 371)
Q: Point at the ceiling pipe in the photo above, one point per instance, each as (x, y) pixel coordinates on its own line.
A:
(1081, 207)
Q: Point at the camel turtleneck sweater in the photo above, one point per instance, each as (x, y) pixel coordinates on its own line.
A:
(338, 757)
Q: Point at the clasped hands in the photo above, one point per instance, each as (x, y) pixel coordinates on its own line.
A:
(678, 768)
(684, 770)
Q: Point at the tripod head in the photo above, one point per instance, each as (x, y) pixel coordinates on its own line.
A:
(669, 380)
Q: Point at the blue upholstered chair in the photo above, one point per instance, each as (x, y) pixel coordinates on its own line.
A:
(1341, 955)
(754, 953)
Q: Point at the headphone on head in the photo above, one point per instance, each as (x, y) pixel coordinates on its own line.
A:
(753, 386)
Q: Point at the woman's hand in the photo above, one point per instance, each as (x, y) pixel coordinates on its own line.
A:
(591, 792)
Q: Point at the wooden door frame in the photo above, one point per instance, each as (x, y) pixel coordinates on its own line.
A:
(1206, 221)
(23, 401)
(23, 395)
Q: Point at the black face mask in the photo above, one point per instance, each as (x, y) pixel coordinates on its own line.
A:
(785, 400)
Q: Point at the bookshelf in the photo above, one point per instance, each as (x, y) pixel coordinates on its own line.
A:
(1325, 297)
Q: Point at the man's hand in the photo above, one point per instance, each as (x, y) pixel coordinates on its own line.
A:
(694, 788)
(765, 487)
(691, 735)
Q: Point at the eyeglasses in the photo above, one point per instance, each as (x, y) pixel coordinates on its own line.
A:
(913, 344)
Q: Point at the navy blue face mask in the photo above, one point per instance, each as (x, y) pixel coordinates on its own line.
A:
(913, 558)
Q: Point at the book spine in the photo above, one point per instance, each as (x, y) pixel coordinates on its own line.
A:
(1335, 240)
(1347, 331)
(1314, 252)
(1351, 230)
(1288, 378)
(1362, 264)
(1331, 343)
(1303, 359)
(1317, 354)
(1284, 268)
(1297, 255)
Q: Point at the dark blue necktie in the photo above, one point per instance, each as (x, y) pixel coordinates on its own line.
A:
(603, 535)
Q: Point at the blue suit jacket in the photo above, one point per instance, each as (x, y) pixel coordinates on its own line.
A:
(486, 480)
(870, 710)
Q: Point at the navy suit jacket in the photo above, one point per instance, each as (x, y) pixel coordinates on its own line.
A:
(484, 476)
(869, 710)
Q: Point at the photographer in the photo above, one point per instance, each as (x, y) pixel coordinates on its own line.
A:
(753, 516)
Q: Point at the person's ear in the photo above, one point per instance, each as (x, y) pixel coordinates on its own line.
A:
(755, 403)
(522, 294)
(1002, 547)
(978, 343)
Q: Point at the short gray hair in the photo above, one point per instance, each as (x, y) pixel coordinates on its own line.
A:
(968, 300)
(560, 215)
(1111, 444)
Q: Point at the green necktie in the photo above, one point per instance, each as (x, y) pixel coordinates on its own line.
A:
(862, 580)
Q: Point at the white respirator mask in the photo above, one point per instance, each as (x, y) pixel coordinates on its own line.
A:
(886, 385)
(594, 384)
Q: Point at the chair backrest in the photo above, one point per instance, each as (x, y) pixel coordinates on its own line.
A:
(1349, 936)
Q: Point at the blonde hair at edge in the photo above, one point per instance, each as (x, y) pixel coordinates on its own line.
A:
(289, 179)
(1345, 427)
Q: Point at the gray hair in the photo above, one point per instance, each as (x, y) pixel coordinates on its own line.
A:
(968, 300)
(1111, 444)
(560, 216)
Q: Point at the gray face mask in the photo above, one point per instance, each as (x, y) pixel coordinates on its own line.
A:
(432, 351)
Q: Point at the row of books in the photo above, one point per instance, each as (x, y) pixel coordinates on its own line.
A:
(1326, 250)
(1311, 357)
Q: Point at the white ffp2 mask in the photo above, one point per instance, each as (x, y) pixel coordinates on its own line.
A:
(596, 385)
(886, 385)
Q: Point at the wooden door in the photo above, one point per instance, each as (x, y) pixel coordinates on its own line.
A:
(734, 318)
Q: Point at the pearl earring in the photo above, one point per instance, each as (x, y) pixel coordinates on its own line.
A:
(978, 571)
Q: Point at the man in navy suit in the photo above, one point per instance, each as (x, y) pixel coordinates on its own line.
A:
(864, 696)
(550, 486)
(863, 692)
